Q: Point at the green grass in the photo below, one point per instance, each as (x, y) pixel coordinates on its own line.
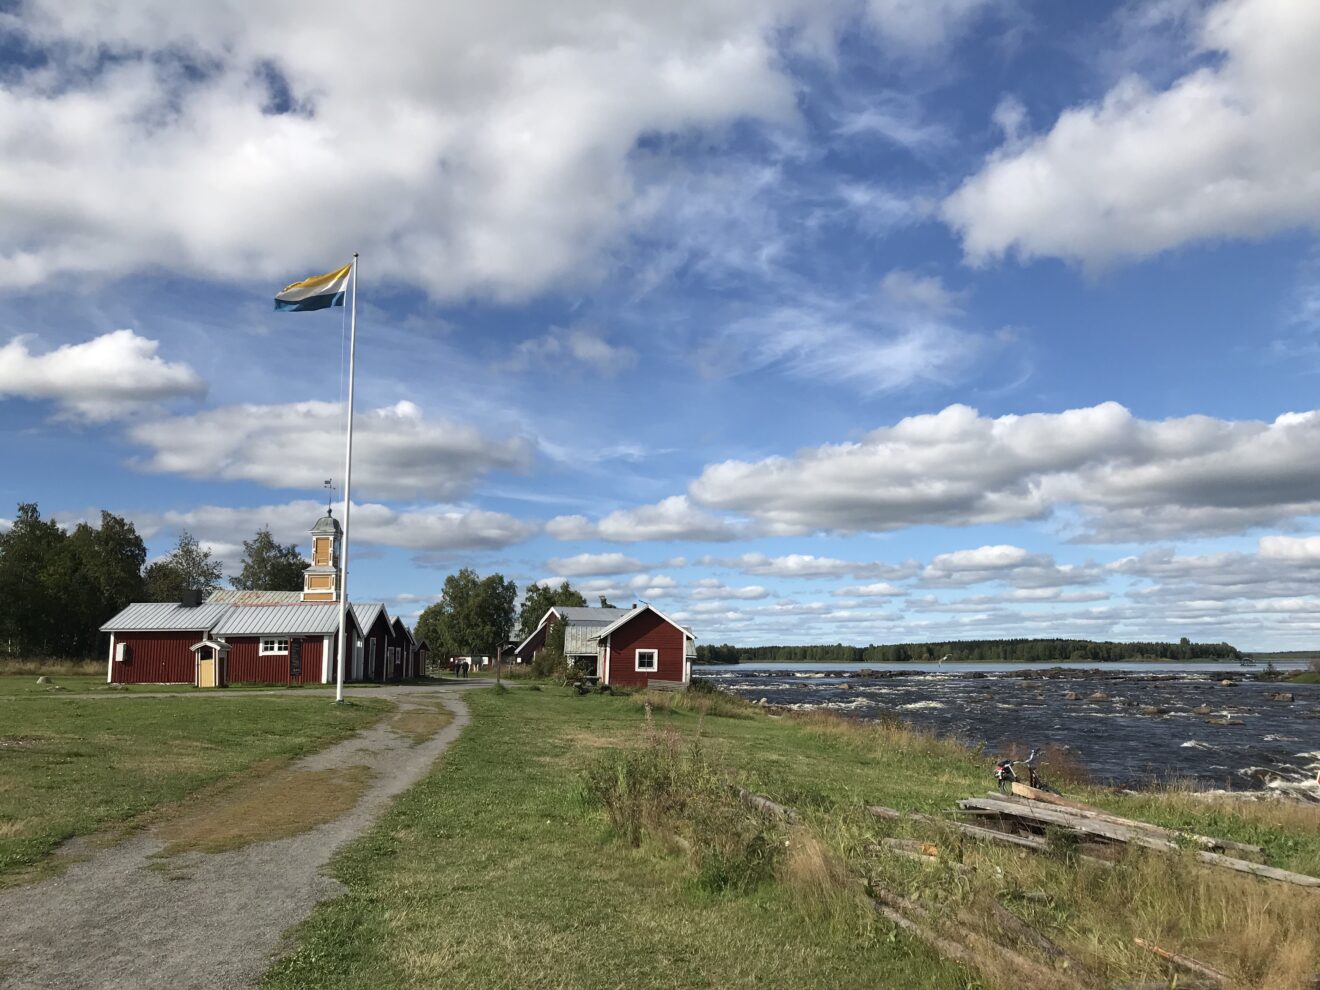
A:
(497, 871)
(494, 871)
(26, 686)
(73, 766)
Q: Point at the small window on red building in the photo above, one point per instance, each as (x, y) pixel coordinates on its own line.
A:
(648, 660)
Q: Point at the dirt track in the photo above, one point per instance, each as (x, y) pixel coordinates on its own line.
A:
(123, 920)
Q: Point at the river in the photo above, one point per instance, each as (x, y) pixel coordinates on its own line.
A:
(1128, 723)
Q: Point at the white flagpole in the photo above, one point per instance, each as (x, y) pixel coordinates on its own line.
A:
(348, 483)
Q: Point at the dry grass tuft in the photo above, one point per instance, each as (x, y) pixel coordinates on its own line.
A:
(273, 807)
(52, 667)
(719, 704)
(885, 734)
(14, 828)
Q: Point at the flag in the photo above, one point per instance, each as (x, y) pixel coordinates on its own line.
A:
(317, 292)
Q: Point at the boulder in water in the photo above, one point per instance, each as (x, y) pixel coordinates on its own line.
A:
(1070, 696)
(1150, 710)
(1202, 710)
(1227, 683)
(1098, 696)
(1280, 696)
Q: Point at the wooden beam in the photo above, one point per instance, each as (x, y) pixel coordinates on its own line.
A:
(1184, 962)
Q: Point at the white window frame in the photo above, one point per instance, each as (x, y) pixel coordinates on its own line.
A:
(655, 661)
(276, 650)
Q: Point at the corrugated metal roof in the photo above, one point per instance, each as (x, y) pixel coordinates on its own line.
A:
(602, 616)
(152, 616)
(235, 597)
(365, 613)
(258, 620)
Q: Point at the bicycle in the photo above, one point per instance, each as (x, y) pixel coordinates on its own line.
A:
(1007, 776)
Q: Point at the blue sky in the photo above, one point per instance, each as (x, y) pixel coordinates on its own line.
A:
(860, 322)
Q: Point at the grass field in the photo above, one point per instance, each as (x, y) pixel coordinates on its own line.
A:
(73, 766)
(26, 686)
(498, 871)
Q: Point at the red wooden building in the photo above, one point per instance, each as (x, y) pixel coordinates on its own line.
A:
(624, 646)
(260, 637)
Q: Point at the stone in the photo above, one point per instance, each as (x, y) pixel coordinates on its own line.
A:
(43, 679)
(1227, 683)
(1202, 710)
(1070, 696)
(1098, 696)
(1280, 696)
(1150, 710)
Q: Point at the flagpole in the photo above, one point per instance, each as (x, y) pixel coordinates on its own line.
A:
(348, 482)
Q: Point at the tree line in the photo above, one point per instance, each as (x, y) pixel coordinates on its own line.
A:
(983, 651)
(58, 585)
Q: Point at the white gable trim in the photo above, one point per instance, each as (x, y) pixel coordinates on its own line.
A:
(549, 612)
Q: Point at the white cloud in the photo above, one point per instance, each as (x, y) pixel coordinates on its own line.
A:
(583, 564)
(1010, 564)
(923, 293)
(673, 518)
(805, 565)
(880, 589)
(1228, 150)
(550, 353)
(1131, 479)
(436, 528)
(103, 378)
(398, 452)
(483, 149)
(1301, 549)
(712, 590)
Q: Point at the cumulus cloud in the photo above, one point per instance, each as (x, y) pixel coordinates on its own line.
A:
(880, 589)
(712, 589)
(108, 376)
(583, 564)
(472, 150)
(550, 353)
(1009, 564)
(1228, 150)
(674, 518)
(1129, 478)
(805, 565)
(435, 528)
(398, 453)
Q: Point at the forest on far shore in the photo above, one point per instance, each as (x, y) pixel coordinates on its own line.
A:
(972, 650)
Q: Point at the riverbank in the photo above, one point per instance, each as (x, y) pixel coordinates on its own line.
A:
(500, 869)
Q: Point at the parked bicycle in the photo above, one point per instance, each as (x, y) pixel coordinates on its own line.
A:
(1007, 776)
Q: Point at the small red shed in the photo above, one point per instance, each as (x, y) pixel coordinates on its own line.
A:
(645, 645)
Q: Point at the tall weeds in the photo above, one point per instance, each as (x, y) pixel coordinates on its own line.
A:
(671, 789)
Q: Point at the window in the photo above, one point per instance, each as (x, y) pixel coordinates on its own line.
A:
(269, 646)
(648, 660)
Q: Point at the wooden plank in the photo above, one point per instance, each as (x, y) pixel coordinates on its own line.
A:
(1140, 837)
(1205, 841)
(1184, 962)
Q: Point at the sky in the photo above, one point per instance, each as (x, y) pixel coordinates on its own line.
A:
(828, 321)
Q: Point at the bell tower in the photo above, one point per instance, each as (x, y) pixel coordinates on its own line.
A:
(321, 580)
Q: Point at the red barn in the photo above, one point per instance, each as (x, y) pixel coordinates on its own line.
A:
(632, 646)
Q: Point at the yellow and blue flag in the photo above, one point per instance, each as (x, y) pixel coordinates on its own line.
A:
(317, 292)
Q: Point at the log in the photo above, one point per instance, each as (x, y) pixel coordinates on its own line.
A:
(1083, 811)
(1140, 837)
(767, 807)
(1010, 922)
(977, 832)
(971, 945)
(1184, 962)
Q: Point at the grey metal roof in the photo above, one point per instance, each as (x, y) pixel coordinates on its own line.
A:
(235, 597)
(258, 620)
(365, 613)
(601, 616)
(327, 525)
(152, 616)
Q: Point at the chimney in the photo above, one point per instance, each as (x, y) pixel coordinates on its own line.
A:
(191, 598)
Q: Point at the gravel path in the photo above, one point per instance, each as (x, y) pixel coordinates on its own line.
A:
(214, 921)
